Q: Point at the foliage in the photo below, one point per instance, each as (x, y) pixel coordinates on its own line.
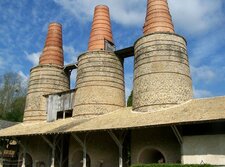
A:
(12, 97)
(130, 99)
(170, 165)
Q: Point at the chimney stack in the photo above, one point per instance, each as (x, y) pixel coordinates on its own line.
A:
(100, 75)
(101, 29)
(161, 71)
(53, 51)
(158, 18)
(46, 78)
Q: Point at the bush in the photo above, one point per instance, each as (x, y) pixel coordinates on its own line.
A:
(169, 165)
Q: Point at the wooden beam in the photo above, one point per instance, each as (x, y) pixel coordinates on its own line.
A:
(125, 53)
(177, 134)
(83, 145)
(120, 146)
(52, 145)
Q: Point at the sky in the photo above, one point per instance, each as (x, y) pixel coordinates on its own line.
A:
(24, 25)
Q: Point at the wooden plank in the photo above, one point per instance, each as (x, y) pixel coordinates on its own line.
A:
(125, 53)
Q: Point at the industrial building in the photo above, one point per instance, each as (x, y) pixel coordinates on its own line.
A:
(90, 125)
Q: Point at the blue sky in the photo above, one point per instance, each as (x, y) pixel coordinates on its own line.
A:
(24, 26)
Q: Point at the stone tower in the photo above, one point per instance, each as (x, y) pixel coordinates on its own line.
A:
(48, 77)
(161, 71)
(100, 76)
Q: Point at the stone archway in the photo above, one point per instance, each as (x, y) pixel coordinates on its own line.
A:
(151, 155)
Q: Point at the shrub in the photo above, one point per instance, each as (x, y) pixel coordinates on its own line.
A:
(170, 165)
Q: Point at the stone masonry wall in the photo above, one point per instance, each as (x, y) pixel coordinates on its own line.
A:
(44, 79)
(100, 148)
(161, 72)
(100, 84)
(161, 139)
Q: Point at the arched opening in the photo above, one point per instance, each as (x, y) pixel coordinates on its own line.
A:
(28, 160)
(78, 159)
(151, 155)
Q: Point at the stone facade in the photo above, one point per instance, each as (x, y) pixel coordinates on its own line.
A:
(38, 149)
(44, 79)
(101, 149)
(100, 84)
(207, 149)
(161, 72)
(161, 139)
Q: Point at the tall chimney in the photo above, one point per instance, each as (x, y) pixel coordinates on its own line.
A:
(100, 75)
(161, 71)
(53, 51)
(46, 78)
(101, 29)
(158, 18)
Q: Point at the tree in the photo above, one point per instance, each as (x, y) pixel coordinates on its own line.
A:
(12, 97)
(130, 99)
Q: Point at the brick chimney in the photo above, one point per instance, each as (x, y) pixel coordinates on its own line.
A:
(53, 51)
(101, 29)
(158, 18)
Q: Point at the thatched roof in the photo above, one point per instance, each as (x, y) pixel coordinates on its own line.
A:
(193, 111)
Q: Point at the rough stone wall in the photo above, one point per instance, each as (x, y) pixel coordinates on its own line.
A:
(44, 79)
(161, 72)
(38, 149)
(100, 84)
(161, 139)
(209, 149)
(100, 148)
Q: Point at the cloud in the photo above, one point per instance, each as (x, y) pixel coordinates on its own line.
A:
(70, 54)
(33, 58)
(202, 93)
(127, 14)
(203, 74)
(24, 78)
(196, 16)
(192, 16)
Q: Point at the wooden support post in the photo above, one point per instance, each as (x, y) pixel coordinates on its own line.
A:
(83, 145)
(52, 145)
(120, 146)
(24, 151)
(177, 134)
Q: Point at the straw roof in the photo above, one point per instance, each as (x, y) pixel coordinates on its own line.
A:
(193, 111)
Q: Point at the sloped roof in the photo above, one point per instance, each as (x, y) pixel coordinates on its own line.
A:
(193, 111)
(5, 124)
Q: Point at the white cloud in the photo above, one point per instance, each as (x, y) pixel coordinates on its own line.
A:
(70, 54)
(33, 58)
(202, 93)
(192, 16)
(196, 16)
(24, 77)
(203, 74)
(132, 13)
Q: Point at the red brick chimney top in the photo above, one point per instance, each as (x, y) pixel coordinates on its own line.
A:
(158, 18)
(101, 29)
(53, 51)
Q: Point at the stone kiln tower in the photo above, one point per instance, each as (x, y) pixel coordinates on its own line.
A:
(100, 76)
(161, 72)
(48, 77)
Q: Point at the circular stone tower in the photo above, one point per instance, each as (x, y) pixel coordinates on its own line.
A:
(161, 71)
(48, 77)
(100, 77)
